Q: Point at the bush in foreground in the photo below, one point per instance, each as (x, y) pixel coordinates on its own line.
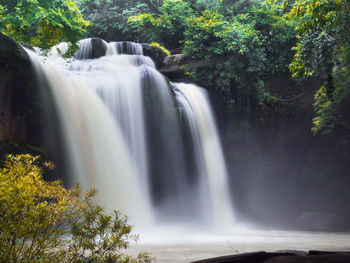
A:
(42, 221)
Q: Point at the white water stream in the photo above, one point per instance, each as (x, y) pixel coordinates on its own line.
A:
(208, 154)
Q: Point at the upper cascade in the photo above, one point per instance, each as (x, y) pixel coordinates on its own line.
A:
(91, 48)
(126, 47)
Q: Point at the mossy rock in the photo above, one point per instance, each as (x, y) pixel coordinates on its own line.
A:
(156, 53)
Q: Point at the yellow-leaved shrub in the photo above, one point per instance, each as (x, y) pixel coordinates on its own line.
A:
(41, 221)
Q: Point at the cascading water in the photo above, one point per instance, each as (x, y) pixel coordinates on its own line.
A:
(99, 156)
(131, 48)
(150, 148)
(208, 155)
(85, 49)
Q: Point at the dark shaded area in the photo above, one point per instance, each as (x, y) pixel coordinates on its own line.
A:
(278, 168)
(19, 103)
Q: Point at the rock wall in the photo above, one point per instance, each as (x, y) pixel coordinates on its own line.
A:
(18, 99)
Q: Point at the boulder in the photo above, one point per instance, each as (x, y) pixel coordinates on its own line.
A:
(269, 257)
(316, 221)
(157, 54)
(254, 257)
(98, 47)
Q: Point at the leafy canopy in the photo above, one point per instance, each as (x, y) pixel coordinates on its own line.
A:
(323, 51)
(42, 23)
(240, 49)
(109, 17)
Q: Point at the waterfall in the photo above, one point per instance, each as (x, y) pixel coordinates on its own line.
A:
(149, 147)
(85, 49)
(131, 48)
(208, 154)
(99, 155)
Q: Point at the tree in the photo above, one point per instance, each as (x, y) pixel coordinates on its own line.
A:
(109, 17)
(166, 27)
(41, 221)
(323, 51)
(241, 49)
(42, 23)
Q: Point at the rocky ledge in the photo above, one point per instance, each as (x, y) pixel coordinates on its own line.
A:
(283, 257)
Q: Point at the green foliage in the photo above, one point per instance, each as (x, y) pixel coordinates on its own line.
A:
(322, 30)
(42, 221)
(167, 27)
(211, 34)
(42, 23)
(109, 17)
(333, 112)
(211, 5)
(240, 49)
(323, 51)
